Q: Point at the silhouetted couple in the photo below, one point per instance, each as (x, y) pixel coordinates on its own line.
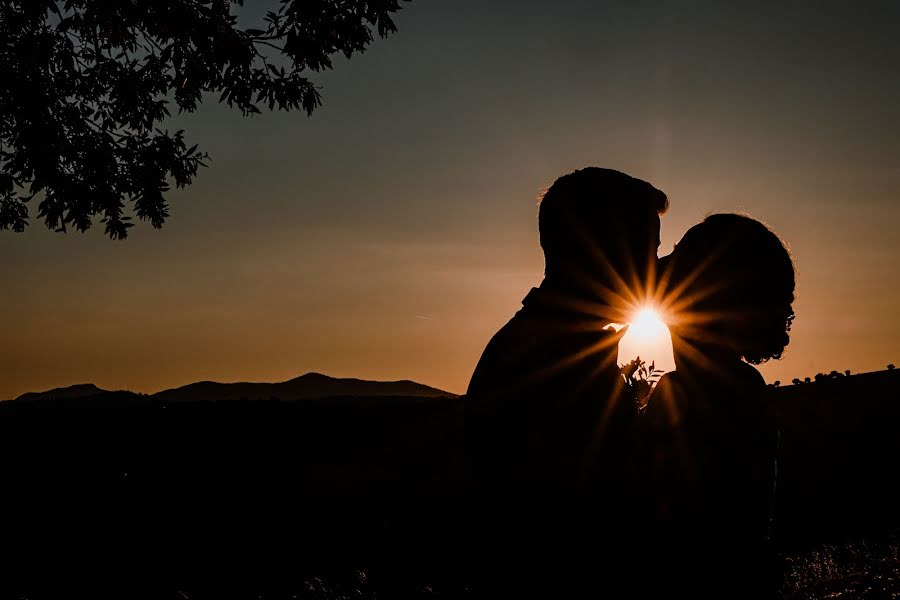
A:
(575, 490)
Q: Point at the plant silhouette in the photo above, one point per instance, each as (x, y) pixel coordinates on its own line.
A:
(641, 379)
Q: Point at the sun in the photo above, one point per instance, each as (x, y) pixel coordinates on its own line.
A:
(647, 323)
(647, 337)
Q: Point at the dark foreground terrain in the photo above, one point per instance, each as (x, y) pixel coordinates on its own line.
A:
(121, 495)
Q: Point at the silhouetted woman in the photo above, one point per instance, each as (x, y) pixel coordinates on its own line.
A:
(729, 285)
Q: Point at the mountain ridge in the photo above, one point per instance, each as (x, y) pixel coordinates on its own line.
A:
(308, 385)
(79, 390)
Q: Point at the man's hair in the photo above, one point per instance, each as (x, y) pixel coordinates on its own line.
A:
(601, 204)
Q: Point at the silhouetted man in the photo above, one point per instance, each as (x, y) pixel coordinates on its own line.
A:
(548, 432)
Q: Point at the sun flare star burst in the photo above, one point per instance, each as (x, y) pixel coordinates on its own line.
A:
(647, 337)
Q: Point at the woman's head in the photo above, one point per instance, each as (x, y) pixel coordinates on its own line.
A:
(732, 282)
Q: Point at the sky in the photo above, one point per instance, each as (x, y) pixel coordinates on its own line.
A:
(392, 233)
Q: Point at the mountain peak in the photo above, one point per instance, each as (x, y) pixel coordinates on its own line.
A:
(311, 376)
(73, 391)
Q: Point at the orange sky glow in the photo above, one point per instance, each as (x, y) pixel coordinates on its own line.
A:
(393, 232)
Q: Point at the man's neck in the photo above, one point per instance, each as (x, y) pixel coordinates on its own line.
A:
(576, 299)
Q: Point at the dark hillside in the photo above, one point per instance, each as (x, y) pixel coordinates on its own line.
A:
(839, 459)
(244, 491)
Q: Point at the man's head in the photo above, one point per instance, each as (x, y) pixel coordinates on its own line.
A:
(600, 230)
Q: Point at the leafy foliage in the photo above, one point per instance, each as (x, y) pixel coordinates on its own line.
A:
(85, 84)
(640, 380)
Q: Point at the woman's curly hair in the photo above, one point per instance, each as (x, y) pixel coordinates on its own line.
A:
(736, 279)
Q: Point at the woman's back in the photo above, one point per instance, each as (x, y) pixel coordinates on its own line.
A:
(714, 466)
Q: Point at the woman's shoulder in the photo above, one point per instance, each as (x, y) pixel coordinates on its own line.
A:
(674, 393)
(746, 384)
(749, 375)
(731, 378)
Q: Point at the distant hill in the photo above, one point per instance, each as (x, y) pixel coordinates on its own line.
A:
(73, 391)
(311, 385)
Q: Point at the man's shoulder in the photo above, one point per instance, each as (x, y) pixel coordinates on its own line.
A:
(533, 348)
(508, 348)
